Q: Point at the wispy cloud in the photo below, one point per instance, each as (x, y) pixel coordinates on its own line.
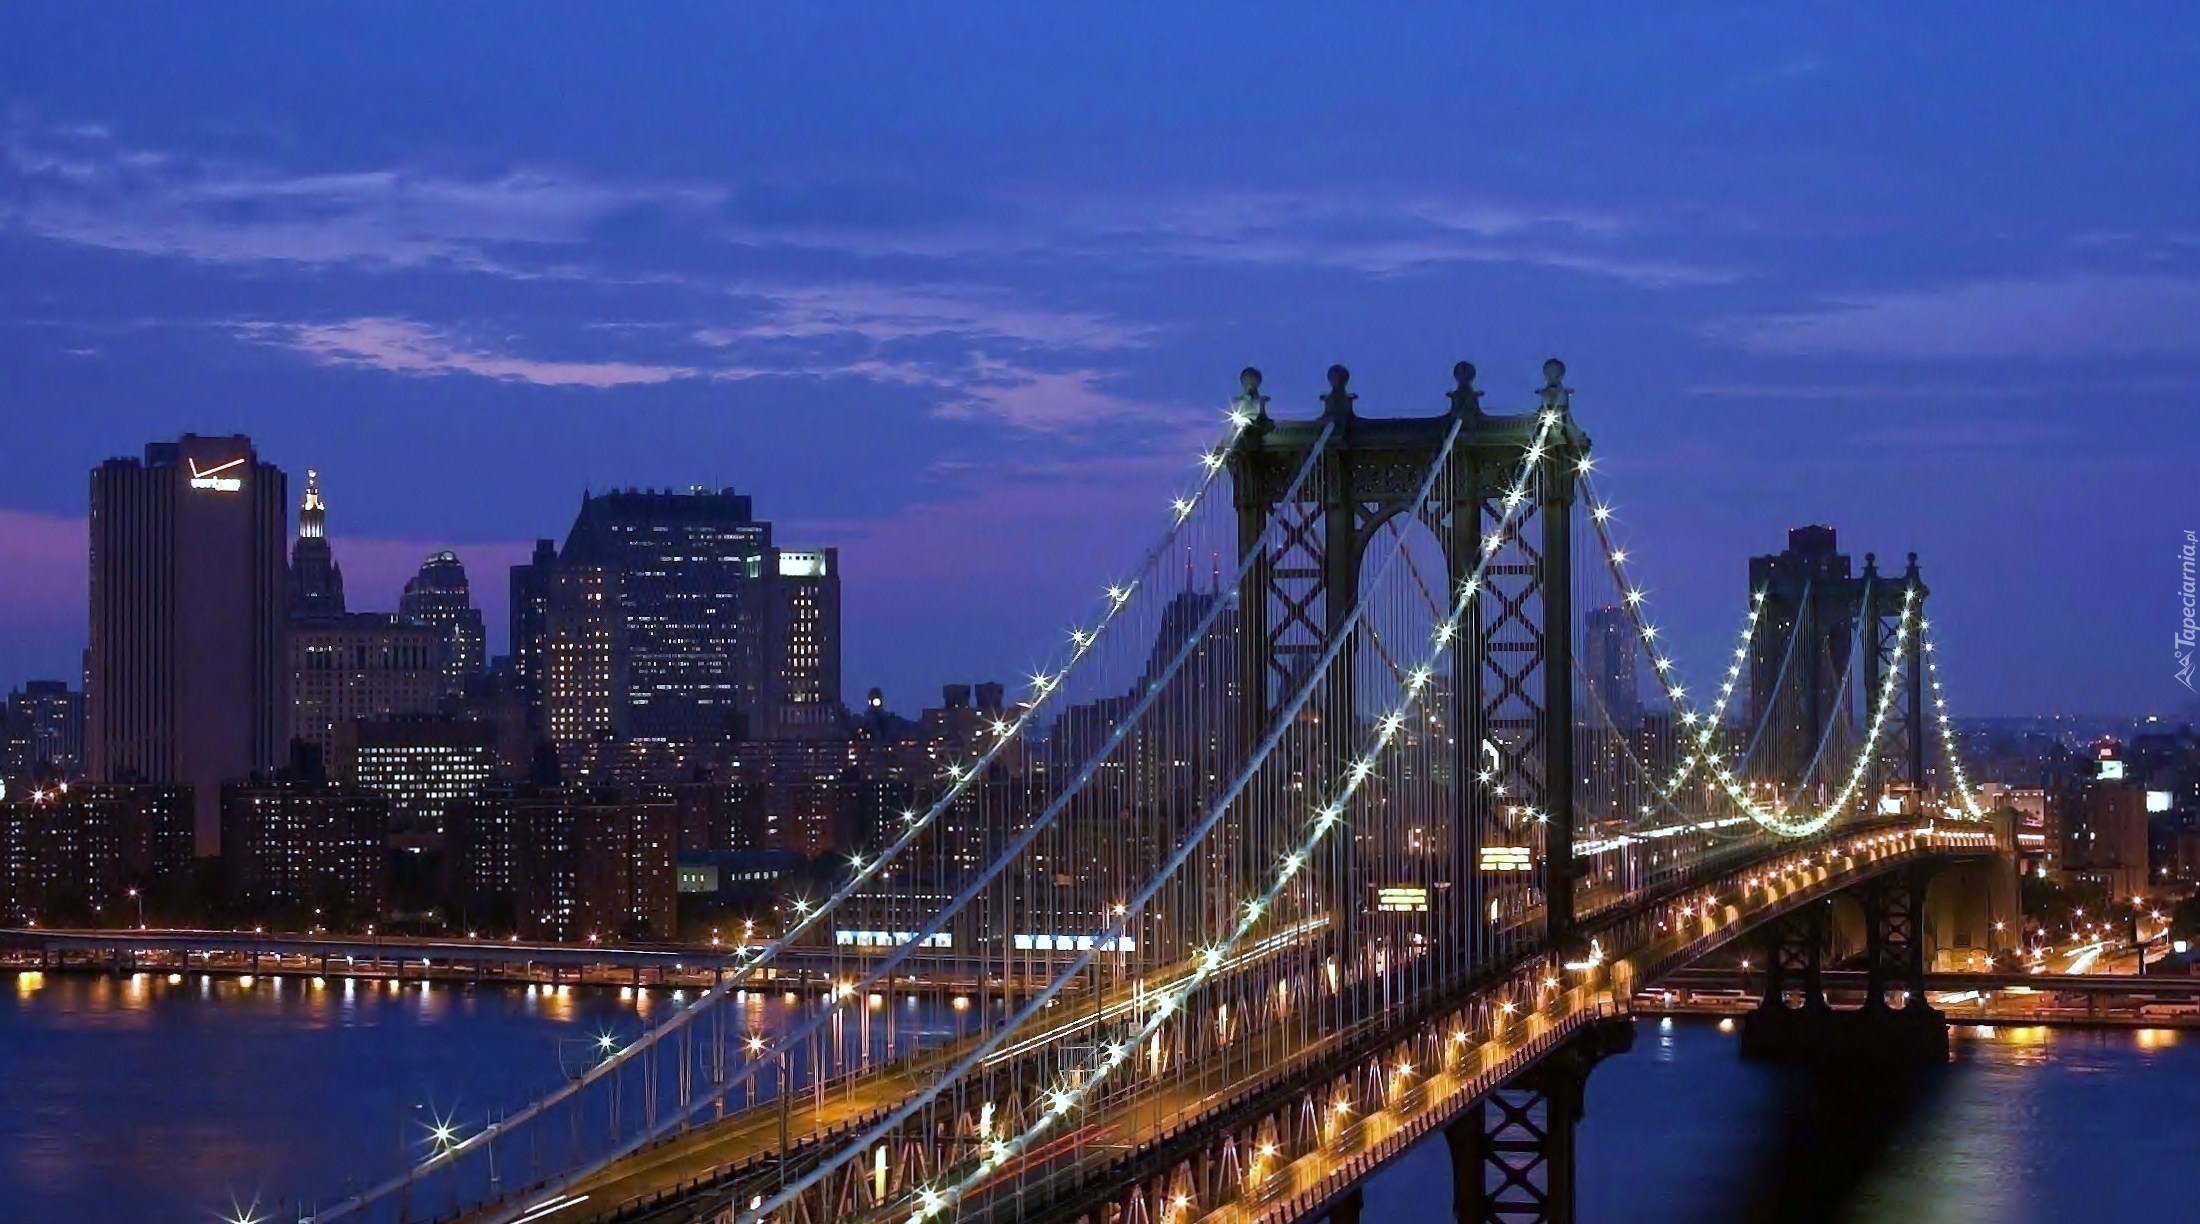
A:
(883, 314)
(407, 347)
(1382, 235)
(2079, 315)
(81, 186)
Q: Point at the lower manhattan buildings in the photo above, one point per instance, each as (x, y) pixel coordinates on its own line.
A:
(251, 741)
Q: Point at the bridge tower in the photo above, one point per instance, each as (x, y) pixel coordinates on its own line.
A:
(1512, 680)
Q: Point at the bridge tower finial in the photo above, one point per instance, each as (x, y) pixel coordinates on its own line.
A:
(1871, 565)
(1557, 397)
(1250, 401)
(1465, 400)
(1338, 403)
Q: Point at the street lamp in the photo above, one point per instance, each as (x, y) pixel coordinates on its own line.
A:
(139, 897)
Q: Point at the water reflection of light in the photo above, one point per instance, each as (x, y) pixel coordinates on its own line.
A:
(1726, 1024)
(2020, 1035)
(2156, 1038)
(29, 981)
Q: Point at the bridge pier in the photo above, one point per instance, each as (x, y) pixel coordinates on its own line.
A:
(1347, 1208)
(1512, 1153)
(1895, 957)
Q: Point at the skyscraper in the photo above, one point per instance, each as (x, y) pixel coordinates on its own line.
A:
(346, 666)
(669, 620)
(529, 612)
(439, 595)
(1608, 661)
(1800, 653)
(802, 646)
(186, 677)
(316, 584)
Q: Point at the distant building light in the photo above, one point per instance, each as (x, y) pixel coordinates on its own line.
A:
(2159, 801)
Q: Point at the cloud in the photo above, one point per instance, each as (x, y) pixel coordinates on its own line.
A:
(1381, 236)
(2081, 315)
(80, 186)
(403, 346)
(1046, 401)
(963, 384)
(883, 314)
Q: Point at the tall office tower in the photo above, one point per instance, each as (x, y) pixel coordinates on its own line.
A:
(670, 624)
(578, 656)
(186, 679)
(45, 732)
(1800, 653)
(316, 583)
(1609, 661)
(529, 614)
(439, 595)
(802, 680)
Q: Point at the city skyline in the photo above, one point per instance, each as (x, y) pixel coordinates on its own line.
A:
(1302, 614)
(1015, 324)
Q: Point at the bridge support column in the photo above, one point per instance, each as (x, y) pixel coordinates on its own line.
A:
(1512, 1153)
(1347, 1208)
(1894, 958)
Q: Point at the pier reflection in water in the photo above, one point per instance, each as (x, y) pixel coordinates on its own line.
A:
(2026, 1125)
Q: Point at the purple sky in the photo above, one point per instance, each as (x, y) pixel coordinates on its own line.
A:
(964, 290)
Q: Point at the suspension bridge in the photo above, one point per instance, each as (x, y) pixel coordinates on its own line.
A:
(1359, 809)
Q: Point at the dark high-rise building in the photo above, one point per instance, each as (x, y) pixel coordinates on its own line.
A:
(529, 616)
(1609, 662)
(186, 676)
(306, 845)
(42, 733)
(75, 853)
(439, 595)
(802, 646)
(1800, 653)
(595, 864)
(316, 583)
(669, 621)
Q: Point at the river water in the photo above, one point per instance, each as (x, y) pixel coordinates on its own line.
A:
(133, 1100)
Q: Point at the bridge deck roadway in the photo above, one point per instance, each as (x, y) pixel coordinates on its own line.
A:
(757, 1133)
(1297, 1190)
(1117, 1132)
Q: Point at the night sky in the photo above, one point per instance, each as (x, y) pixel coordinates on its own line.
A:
(964, 290)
